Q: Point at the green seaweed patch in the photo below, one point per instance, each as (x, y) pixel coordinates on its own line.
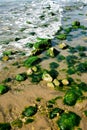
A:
(61, 36)
(68, 30)
(72, 49)
(75, 24)
(81, 48)
(31, 61)
(83, 86)
(82, 67)
(36, 77)
(17, 123)
(53, 101)
(60, 58)
(71, 97)
(3, 89)
(54, 112)
(28, 121)
(53, 73)
(54, 65)
(21, 77)
(7, 80)
(71, 60)
(30, 111)
(68, 121)
(71, 70)
(7, 53)
(82, 54)
(5, 126)
(85, 112)
(17, 38)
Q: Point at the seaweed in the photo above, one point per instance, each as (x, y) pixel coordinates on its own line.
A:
(61, 36)
(31, 61)
(29, 45)
(85, 112)
(82, 54)
(36, 77)
(76, 24)
(3, 89)
(71, 96)
(53, 65)
(53, 73)
(83, 86)
(29, 120)
(5, 126)
(54, 112)
(7, 53)
(29, 111)
(7, 80)
(71, 60)
(17, 123)
(72, 49)
(82, 67)
(71, 70)
(81, 48)
(21, 77)
(68, 121)
(67, 30)
(42, 44)
(60, 58)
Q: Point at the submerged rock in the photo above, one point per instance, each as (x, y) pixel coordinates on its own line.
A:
(56, 82)
(50, 85)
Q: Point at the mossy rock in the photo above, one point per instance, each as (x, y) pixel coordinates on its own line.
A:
(42, 44)
(21, 77)
(71, 97)
(62, 36)
(5, 126)
(30, 111)
(3, 89)
(7, 53)
(31, 61)
(17, 123)
(55, 112)
(52, 52)
(68, 121)
(76, 23)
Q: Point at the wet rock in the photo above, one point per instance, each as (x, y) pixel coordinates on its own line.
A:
(56, 82)
(47, 77)
(29, 71)
(52, 52)
(50, 85)
(65, 82)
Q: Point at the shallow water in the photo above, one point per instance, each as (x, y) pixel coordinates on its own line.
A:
(29, 20)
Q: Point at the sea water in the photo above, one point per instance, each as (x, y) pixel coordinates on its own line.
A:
(28, 20)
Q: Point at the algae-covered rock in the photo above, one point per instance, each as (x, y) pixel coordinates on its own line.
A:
(30, 111)
(62, 36)
(17, 123)
(71, 97)
(31, 61)
(63, 46)
(56, 82)
(43, 44)
(3, 89)
(68, 121)
(5, 126)
(65, 82)
(52, 52)
(55, 112)
(21, 77)
(46, 77)
(75, 23)
(7, 53)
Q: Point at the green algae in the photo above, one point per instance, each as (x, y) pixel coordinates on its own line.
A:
(71, 60)
(17, 123)
(61, 36)
(3, 89)
(54, 65)
(30, 111)
(54, 112)
(68, 121)
(21, 77)
(5, 126)
(31, 61)
(60, 58)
